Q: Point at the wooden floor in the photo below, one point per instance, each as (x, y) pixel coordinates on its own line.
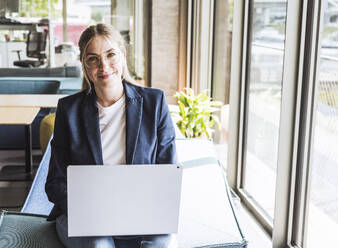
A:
(13, 194)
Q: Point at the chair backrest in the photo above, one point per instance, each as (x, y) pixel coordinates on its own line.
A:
(36, 44)
(14, 86)
(59, 72)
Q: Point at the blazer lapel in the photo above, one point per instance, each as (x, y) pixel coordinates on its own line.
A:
(91, 123)
(134, 106)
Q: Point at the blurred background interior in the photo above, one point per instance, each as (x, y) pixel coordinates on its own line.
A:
(272, 63)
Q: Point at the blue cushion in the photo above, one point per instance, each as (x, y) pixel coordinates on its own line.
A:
(63, 71)
(68, 85)
(27, 230)
(33, 72)
(18, 86)
(37, 201)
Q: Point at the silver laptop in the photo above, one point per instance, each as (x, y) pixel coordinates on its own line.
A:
(123, 199)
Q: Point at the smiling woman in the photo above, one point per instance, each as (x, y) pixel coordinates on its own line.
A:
(103, 56)
(104, 69)
(97, 40)
(110, 122)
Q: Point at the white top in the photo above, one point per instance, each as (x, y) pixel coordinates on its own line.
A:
(113, 132)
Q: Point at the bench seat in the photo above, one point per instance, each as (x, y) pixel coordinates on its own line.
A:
(207, 216)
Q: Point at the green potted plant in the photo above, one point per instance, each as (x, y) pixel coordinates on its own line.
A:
(195, 115)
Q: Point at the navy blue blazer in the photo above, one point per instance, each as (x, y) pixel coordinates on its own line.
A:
(150, 136)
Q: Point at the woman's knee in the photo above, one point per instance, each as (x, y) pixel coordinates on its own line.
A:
(83, 242)
(159, 241)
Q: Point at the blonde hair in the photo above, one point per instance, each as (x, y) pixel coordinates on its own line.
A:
(109, 32)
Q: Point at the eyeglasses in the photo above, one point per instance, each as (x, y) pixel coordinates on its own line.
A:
(94, 61)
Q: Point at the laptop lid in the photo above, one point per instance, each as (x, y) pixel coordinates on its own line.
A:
(123, 199)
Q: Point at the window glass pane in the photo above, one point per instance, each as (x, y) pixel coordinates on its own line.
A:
(127, 16)
(323, 210)
(39, 9)
(220, 89)
(80, 15)
(264, 101)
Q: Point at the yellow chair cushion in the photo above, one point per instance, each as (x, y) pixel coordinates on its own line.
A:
(46, 130)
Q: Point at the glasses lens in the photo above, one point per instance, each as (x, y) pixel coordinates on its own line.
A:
(112, 57)
(93, 61)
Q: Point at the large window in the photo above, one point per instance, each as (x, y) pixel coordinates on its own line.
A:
(39, 8)
(323, 211)
(81, 14)
(221, 66)
(70, 18)
(283, 118)
(128, 16)
(263, 102)
(70, 21)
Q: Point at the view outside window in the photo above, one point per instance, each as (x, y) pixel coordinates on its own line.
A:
(127, 16)
(39, 8)
(323, 211)
(80, 15)
(264, 102)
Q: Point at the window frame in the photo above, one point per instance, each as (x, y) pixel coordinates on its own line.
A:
(288, 228)
(221, 52)
(200, 37)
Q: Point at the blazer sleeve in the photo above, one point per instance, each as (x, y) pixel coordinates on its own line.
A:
(56, 183)
(166, 147)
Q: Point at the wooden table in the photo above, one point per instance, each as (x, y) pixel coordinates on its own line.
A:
(21, 110)
(33, 100)
(19, 116)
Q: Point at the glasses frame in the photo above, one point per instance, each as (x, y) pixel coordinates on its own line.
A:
(100, 59)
